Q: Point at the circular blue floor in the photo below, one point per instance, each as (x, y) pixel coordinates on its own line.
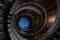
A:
(24, 23)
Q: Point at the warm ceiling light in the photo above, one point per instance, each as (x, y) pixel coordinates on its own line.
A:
(51, 19)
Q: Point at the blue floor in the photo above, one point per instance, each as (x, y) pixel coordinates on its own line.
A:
(24, 23)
